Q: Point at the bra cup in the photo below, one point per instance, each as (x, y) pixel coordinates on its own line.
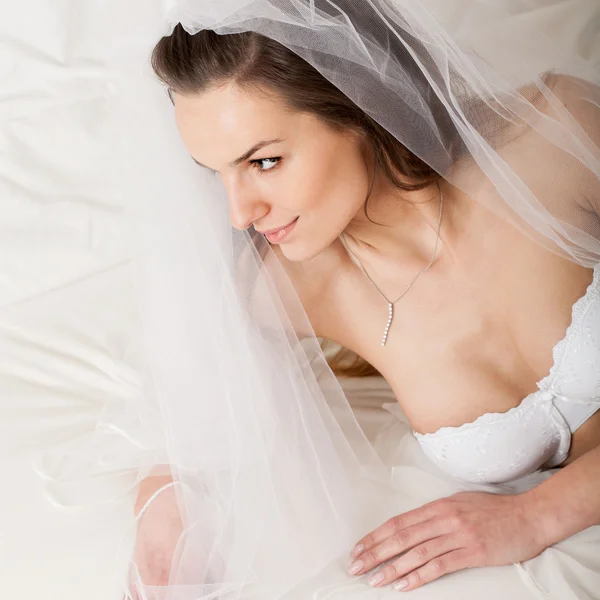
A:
(506, 447)
(564, 431)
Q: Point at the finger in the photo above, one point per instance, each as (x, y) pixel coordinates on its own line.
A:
(399, 522)
(398, 542)
(436, 568)
(418, 557)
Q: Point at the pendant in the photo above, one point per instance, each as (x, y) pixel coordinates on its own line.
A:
(389, 324)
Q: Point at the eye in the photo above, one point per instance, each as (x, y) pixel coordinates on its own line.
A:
(263, 165)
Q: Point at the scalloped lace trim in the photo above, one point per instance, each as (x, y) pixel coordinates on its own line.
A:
(534, 399)
(573, 331)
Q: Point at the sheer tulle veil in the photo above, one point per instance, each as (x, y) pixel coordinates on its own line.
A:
(276, 480)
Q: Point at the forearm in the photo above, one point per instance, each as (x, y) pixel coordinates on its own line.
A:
(569, 501)
(147, 487)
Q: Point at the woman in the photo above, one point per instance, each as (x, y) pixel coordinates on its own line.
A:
(440, 221)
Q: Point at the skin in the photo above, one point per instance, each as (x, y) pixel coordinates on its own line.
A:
(491, 288)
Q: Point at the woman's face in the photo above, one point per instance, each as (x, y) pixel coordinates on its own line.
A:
(294, 178)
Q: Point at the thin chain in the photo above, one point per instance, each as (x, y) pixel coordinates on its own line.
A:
(389, 302)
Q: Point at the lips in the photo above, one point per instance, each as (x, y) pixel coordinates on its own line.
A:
(278, 229)
(276, 236)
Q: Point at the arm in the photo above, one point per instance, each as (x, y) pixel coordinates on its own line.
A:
(147, 488)
(477, 529)
(158, 532)
(569, 501)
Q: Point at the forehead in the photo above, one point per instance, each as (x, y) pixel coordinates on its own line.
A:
(224, 122)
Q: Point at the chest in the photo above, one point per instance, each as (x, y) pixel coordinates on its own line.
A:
(467, 340)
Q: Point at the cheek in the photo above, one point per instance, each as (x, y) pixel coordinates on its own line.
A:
(338, 187)
(299, 188)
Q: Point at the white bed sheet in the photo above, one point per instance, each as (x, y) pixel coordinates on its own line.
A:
(65, 291)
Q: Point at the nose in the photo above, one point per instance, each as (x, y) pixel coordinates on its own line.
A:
(245, 206)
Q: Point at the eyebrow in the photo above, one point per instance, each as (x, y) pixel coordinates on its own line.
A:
(248, 154)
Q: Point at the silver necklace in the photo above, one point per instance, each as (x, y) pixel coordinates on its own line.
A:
(390, 303)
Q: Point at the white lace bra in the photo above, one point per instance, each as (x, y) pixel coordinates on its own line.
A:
(500, 447)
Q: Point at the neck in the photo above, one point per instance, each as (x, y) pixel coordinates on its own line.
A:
(400, 226)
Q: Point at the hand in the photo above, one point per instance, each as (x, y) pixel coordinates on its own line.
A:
(469, 529)
(159, 531)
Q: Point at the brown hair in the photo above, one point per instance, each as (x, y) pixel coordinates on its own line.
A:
(191, 64)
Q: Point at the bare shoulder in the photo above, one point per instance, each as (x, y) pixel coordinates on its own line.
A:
(576, 94)
(581, 98)
(560, 178)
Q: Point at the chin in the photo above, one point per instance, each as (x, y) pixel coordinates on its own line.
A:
(297, 251)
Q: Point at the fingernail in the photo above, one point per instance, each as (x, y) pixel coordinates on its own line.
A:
(357, 567)
(376, 579)
(400, 585)
(357, 550)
